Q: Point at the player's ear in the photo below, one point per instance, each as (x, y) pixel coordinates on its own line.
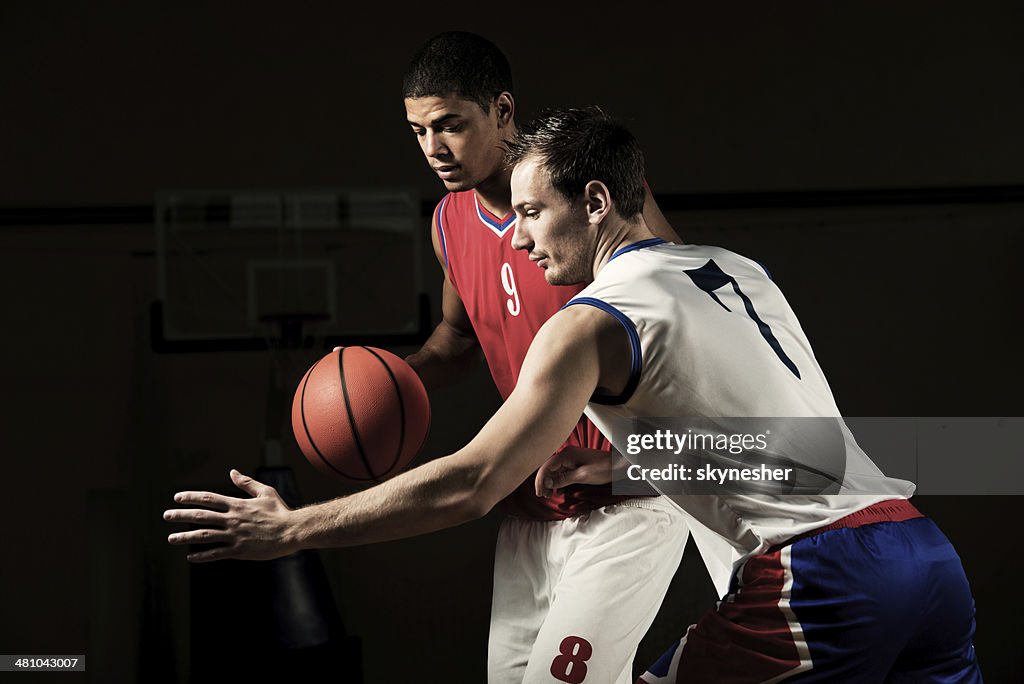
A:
(598, 200)
(505, 107)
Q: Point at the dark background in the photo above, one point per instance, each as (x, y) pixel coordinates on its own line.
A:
(913, 310)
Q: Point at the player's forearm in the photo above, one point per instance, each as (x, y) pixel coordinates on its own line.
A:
(444, 357)
(434, 496)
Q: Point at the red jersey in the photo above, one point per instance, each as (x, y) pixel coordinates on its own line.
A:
(508, 300)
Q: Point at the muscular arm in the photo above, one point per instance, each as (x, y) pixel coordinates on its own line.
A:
(656, 220)
(559, 375)
(452, 348)
(577, 350)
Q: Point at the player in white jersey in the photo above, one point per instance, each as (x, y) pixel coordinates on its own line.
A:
(850, 587)
(842, 579)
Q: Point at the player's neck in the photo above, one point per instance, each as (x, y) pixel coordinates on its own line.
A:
(614, 237)
(495, 193)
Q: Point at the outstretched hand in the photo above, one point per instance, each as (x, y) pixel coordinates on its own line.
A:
(576, 465)
(260, 528)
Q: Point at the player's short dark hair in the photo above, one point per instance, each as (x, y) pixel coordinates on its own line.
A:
(576, 146)
(461, 64)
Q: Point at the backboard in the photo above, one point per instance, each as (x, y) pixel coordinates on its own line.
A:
(248, 269)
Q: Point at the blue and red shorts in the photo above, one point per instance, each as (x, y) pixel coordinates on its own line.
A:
(877, 596)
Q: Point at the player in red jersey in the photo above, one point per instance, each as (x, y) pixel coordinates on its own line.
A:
(460, 106)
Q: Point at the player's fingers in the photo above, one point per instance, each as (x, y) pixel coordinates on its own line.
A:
(205, 536)
(209, 500)
(199, 516)
(250, 486)
(564, 478)
(540, 481)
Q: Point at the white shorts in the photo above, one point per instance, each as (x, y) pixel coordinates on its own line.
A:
(573, 598)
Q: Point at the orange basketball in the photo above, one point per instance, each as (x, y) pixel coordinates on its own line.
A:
(361, 414)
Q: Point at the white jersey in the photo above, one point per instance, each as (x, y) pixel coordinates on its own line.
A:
(713, 337)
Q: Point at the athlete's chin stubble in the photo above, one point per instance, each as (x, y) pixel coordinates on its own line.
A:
(573, 275)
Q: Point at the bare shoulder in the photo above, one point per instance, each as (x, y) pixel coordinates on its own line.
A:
(656, 220)
(584, 337)
(579, 324)
(593, 314)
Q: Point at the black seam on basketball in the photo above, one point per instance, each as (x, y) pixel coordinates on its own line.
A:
(352, 418)
(302, 410)
(401, 409)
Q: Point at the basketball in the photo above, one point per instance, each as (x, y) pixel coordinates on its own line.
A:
(360, 414)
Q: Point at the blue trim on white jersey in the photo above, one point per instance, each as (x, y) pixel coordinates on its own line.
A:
(499, 227)
(440, 228)
(649, 242)
(634, 342)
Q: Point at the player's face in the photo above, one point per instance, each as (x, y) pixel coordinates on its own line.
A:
(462, 144)
(554, 230)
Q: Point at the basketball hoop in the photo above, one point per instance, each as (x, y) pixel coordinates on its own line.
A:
(290, 327)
